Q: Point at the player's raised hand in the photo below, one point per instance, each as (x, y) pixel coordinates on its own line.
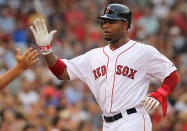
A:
(150, 103)
(42, 37)
(27, 59)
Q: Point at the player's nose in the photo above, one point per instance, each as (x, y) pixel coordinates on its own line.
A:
(105, 25)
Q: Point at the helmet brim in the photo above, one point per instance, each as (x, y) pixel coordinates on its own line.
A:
(111, 17)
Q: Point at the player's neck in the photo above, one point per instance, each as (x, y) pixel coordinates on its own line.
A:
(117, 44)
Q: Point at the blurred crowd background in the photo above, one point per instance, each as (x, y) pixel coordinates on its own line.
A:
(37, 101)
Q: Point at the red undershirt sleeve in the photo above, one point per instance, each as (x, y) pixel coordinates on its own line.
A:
(168, 86)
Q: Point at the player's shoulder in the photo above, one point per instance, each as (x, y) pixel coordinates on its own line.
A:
(139, 45)
(150, 48)
(144, 46)
(95, 51)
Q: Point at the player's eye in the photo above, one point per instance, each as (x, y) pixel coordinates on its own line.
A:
(104, 22)
(108, 21)
(112, 21)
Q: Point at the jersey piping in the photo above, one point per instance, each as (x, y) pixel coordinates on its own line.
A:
(115, 75)
(107, 61)
(106, 72)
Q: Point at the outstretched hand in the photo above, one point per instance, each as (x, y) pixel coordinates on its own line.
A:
(42, 37)
(27, 59)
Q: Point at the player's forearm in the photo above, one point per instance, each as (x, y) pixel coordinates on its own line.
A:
(168, 85)
(6, 78)
(51, 59)
(57, 66)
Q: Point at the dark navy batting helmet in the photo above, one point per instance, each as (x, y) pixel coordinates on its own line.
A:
(117, 12)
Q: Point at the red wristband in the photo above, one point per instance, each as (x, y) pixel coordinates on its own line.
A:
(59, 68)
(163, 90)
(161, 95)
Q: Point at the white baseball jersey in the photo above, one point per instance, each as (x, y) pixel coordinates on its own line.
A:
(119, 79)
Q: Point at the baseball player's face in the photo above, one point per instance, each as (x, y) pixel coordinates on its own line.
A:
(113, 30)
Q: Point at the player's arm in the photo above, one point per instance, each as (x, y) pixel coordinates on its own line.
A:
(43, 40)
(160, 95)
(23, 63)
(161, 68)
(57, 66)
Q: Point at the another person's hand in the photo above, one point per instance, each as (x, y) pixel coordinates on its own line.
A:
(27, 59)
(43, 38)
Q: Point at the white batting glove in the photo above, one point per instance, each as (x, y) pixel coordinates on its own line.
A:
(150, 103)
(43, 38)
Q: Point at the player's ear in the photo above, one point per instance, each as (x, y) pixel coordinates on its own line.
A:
(125, 26)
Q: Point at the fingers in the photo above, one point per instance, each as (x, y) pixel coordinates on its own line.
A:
(37, 25)
(52, 33)
(44, 26)
(33, 31)
(147, 102)
(155, 106)
(151, 104)
(18, 52)
(35, 61)
(33, 55)
(31, 58)
(43, 38)
(27, 52)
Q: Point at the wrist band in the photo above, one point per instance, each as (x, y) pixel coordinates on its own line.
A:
(46, 52)
(59, 68)
(45, 49)
(163, 91)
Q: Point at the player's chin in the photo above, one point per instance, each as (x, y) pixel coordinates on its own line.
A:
(108, 39)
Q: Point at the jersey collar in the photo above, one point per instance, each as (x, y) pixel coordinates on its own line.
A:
(111, 52)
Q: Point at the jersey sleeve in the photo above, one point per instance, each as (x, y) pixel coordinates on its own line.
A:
(78, 67)
(157, 65)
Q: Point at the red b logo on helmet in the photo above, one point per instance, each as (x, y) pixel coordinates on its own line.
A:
(107, 11)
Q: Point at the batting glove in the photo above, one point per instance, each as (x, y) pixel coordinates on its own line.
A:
(150, 103)
(42, 37)
(156, 98)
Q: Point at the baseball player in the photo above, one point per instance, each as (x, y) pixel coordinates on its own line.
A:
(23, 63)
(117, 74)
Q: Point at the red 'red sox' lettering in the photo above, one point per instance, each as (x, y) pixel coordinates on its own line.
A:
(100, 71)
(126, 71)
(95, 74)
(131, 75)
(121, 70)
(103, 70)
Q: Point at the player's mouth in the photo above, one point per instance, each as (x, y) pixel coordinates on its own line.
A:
(106, 32)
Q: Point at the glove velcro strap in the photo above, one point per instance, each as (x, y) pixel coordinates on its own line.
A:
(45, 48)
